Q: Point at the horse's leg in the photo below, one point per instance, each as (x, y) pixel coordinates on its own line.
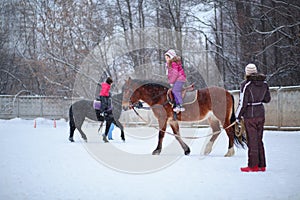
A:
(175, 127)
(230, 134)
(161, 134)
(120, 126)
(71, 124)
(231, 130)
(216, 130)
(100, 127)
(78, 124)
(108, 123)
(72, 130)
(82, 134)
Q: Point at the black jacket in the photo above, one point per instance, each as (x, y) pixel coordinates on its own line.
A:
(254, 92)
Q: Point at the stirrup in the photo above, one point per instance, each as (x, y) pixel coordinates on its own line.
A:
(176, 109)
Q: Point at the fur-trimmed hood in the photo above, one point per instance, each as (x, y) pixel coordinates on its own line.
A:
(257, 78)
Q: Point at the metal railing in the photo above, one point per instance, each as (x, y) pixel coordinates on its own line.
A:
(29, 107)
(283, 110)
(281, 113)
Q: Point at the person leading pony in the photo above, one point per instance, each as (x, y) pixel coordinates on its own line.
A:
(253, 94)
(106, 107)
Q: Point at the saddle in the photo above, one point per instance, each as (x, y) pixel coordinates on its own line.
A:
(102, 104)
(97, 104)
(189, 95)
(102, 111)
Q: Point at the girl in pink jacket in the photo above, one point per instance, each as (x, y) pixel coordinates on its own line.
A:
(176, 77)
(105, 95)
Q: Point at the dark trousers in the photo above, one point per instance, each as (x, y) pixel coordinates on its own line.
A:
(105, 103)
(109, 118)
(256, 152)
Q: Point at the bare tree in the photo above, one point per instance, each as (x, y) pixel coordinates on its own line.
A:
(44, 43)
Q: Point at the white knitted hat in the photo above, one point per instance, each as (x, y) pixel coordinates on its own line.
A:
(171, 53)
(250, 69)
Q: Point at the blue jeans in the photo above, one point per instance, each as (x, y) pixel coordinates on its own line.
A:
(177, 89)
(111, 128)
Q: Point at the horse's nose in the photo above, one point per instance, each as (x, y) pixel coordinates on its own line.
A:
(125, 107)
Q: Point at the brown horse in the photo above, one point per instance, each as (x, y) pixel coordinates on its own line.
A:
(214, 103)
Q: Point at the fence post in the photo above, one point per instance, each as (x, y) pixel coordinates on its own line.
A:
(279, 109)
(18, 107)
(41, 101)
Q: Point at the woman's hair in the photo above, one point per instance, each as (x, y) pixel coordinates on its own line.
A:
(109, 80)
(176, 59)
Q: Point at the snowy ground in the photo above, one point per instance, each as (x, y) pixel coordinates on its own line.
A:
(40, 163)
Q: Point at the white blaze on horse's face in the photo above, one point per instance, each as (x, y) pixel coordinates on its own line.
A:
(125, 101)
(130, 98)
(126, 95)
(125, 105)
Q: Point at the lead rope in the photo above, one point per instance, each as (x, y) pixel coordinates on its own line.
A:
(179, 136)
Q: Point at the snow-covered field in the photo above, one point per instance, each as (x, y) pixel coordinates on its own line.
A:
(40, 163)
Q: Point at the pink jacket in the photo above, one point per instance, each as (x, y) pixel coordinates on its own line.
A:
(105, 87)
(176, 73)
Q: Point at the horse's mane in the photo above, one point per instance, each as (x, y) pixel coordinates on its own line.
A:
(151, 82)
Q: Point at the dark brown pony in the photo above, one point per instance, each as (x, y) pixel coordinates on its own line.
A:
(214, 104)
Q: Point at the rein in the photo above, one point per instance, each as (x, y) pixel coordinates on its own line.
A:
(179, 136)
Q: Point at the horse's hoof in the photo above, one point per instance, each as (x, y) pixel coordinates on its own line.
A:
(105, 139)
(187, 152)
(230, 152)
(156, 152)
(208, 148)
(206, 152)
(71, 139)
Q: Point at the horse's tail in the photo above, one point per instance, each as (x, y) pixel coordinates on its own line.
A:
(232, 118)
(239, 139)
(71, 121)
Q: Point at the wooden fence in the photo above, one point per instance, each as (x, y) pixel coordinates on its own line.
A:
(281, 113)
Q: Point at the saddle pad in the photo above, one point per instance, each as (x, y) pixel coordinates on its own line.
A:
(190, 97)
(97, 105)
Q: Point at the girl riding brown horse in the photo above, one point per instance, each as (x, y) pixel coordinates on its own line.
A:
(214, 104)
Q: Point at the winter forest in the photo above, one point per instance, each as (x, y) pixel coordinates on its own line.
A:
(43, 42)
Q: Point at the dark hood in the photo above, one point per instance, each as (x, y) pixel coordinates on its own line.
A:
(257, 79)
